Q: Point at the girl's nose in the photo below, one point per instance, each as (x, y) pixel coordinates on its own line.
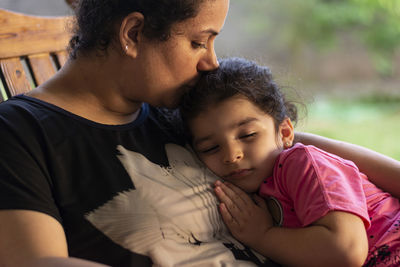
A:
(232, 155)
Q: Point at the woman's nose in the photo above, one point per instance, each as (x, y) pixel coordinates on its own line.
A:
(209, 61)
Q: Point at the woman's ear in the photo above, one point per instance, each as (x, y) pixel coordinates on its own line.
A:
(131, 33)
(286, 132)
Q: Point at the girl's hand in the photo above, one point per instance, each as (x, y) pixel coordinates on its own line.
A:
(247, 221)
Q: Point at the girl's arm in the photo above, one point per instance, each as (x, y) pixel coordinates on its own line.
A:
(383, 171)
(337, 239)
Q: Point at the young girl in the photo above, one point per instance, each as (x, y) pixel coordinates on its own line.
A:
(322, 210)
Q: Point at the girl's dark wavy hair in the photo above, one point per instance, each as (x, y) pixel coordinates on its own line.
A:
(238, 76)
(96, 20)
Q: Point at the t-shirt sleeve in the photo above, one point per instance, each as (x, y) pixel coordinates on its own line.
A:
(25, 180)
(320, 182)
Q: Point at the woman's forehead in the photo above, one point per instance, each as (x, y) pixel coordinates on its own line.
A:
(209, 20)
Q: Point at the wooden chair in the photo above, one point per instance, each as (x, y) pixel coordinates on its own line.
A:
(32, 49)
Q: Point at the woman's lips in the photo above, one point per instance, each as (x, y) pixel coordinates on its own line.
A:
(238, 174)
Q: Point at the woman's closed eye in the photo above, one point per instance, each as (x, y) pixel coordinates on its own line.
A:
(197, 45)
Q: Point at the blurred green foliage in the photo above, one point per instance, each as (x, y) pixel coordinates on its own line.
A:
(369, 121)
(321, 23)
(363, 112)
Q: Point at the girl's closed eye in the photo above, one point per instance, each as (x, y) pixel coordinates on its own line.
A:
(248, 136)
(208, 150)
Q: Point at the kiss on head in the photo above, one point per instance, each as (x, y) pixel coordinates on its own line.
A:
(98, 143)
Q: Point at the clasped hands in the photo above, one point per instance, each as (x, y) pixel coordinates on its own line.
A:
(248, 219)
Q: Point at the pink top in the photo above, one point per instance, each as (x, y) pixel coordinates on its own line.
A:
(308, 182)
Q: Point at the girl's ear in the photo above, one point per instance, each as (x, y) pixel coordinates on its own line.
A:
(130, 33)
(286, 132)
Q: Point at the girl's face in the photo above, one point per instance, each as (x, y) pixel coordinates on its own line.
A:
(238, 141)
(168, 69)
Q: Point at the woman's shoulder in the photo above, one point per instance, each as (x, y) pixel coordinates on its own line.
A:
(19, 109)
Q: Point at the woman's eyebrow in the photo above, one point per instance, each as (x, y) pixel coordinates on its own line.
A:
(210, 31)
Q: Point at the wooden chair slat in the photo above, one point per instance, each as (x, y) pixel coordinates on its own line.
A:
(22, 34)
(14, 76)
(42, 67)
(62, 57)
(32, 49)
(3, 93)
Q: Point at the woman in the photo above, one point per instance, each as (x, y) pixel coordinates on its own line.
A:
(96, 168)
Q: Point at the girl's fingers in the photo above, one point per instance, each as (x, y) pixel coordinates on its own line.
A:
(229, 205)
(238, 208)
(224, 197)
(239, 192)
(229, 197)
(227, 217)
(236, 194)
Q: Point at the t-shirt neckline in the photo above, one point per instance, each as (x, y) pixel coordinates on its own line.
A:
(140, 118)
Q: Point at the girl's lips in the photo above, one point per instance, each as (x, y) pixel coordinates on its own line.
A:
(238, 174)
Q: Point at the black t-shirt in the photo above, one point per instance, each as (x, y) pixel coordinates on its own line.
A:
(126, 195)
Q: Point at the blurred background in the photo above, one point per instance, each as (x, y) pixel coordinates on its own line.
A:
(340, 58)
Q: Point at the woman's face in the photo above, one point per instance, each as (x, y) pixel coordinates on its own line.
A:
(168, 69)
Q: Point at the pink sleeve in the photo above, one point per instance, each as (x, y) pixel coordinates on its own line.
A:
(319, 182)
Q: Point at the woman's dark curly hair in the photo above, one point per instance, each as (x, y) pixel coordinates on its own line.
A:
(96, 20)
(238, 76)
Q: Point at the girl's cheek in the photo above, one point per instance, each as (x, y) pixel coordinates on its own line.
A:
(212, 164)
(206, 162)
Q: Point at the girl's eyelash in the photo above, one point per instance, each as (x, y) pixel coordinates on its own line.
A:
(198, 45)
(208, 150)
(214, 148)
(248, 135)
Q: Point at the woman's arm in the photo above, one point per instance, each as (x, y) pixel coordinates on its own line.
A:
(64, 262)
(337, 239)
(30, 238)
(383, 171)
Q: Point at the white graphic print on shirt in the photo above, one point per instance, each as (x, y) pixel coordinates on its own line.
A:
(172, 215)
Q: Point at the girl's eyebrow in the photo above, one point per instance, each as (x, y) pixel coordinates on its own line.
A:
(196, 142)
(245, 121)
